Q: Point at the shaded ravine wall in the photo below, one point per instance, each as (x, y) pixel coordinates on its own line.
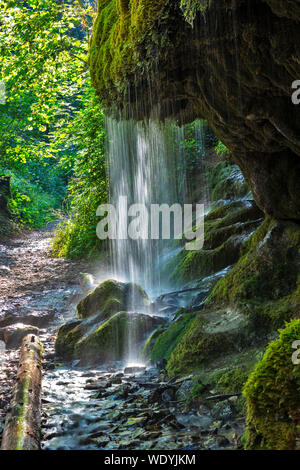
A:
(234, 66)
(231, 62)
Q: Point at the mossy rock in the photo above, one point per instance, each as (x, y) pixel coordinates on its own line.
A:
(196, 264)
(227, 182)
(120, 30)
(111, 297)
(225, 230)
(265, 280)
(95, 341)
(249, 303)
(140, 62)
(273, 396)
(67, 336)
(164, 340)
(211, 334)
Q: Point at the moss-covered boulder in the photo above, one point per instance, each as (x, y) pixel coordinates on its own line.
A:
(110, 297)
(103, 325)
(273, 396)
(211, 334)
(93, 341)
(265, 281)
(225, 229)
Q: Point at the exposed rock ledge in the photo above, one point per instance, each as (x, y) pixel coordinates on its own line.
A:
(234, 67)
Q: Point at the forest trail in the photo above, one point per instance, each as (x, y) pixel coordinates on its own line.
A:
(37, 290)
(32, 281)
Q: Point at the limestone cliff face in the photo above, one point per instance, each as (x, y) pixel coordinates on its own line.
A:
(231, 62)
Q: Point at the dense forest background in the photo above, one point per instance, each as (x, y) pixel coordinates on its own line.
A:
(52, 129)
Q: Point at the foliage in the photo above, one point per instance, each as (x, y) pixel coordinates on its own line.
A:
(272, 393)
(221, 149)
(191, 7)
(36, 193)
(76, 235)
(43, 47)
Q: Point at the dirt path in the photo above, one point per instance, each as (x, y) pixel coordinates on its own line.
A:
(36, 289)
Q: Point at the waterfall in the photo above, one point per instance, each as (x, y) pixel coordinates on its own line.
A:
(146, 166)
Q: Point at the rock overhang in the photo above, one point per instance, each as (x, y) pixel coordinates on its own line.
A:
(233, 66)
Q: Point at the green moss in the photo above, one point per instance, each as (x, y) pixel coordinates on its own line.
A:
(273, 395)
(225, 229)
(233, 380)
(207, 337)
(93, 342)
(197, 390)
(67, 337)
(20, 413)
(276, 313)
(148, 346)
(229, 380)
(202, 263)
(294, 234)
(111, 297)
(166, 342)
(190, 8)
(233, 212)
(135, 295)
(108, 293)
(265, 271)
(226, 182)
(119, 28)
(107, 342)
(97, 339)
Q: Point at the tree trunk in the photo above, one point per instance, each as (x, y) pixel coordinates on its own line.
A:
(23, 420)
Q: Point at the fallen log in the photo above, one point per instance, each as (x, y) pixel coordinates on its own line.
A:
(23, 419)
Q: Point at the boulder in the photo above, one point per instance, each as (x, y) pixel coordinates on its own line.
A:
(96, 341)
(272, 394)
(110, 297)
(104, 328)
(212, 334)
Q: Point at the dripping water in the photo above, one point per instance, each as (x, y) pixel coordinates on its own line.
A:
(146, 167)
(147, 164)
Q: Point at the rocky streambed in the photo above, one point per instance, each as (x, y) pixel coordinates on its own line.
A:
(133, 408)
(97, 407)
